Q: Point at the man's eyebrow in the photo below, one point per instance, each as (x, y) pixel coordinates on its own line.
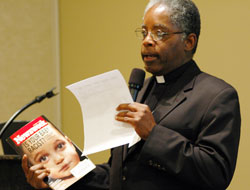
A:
(156, 26)
(160, 26)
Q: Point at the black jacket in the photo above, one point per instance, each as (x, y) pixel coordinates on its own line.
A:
(193, 146)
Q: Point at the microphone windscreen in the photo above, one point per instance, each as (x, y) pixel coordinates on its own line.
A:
(137, 77)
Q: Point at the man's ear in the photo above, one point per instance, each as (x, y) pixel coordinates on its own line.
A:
(190, 42)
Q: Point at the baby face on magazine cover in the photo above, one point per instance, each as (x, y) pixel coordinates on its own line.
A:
(58, 155)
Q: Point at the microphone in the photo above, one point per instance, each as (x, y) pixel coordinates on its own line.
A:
(136, 81)
(37, 99)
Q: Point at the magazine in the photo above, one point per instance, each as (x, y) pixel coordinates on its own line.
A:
(43, 143)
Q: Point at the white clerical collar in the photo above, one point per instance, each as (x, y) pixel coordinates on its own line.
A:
(160, 79)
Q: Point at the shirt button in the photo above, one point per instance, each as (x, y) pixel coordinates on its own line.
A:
(123, 178)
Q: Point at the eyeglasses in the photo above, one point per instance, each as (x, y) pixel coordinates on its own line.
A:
(156, 35)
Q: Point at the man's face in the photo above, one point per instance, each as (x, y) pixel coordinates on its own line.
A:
(58, 155)
(161, 57)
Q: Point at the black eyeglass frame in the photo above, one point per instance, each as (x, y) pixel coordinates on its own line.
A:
(154, 36)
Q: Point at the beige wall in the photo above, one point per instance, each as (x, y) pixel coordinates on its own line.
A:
(98, 36)
(29, 58)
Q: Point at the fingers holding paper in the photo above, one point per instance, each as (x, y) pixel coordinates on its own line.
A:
(139, 116)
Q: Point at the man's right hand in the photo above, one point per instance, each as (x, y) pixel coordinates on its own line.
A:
(35, 174)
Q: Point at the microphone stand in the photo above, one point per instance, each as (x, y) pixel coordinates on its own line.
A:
(37, 99)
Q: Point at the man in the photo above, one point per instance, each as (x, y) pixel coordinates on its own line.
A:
(189, 121)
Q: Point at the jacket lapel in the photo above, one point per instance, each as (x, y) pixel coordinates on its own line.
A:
(144, 91)
(173, 97)
(176, 94)
(167, 105)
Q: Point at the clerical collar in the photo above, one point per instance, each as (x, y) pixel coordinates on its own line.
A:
(160, 79)
(173, 75)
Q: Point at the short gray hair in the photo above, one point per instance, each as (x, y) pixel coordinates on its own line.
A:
(183, 13)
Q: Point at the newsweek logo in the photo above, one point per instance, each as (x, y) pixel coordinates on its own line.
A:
(28, 130)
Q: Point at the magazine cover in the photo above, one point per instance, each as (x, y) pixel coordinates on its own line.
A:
(43, 143)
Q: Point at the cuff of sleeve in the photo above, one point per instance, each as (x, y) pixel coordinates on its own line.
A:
(151, 153)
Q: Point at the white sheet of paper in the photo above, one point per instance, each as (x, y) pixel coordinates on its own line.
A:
(98, 97)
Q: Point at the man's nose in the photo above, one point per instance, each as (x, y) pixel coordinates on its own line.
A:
(148, 40)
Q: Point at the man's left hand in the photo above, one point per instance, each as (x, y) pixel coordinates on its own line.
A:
(139, 116)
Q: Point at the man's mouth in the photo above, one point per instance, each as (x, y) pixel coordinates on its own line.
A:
(149, 57)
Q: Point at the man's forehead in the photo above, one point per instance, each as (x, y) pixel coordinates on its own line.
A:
(159, 8)
(158, 16)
